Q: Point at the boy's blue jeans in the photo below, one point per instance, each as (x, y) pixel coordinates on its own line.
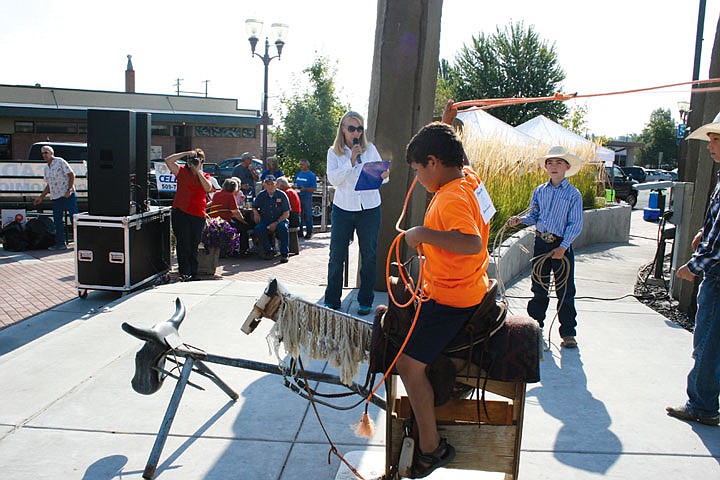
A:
(59, 206)
(703, 381)
(367, 225)
(538, 305)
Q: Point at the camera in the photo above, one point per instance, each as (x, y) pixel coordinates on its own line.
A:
(195, 161)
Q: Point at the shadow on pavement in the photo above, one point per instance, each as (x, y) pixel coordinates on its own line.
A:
(563, 375)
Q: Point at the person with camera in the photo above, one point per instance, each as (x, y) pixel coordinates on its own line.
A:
(188, 208)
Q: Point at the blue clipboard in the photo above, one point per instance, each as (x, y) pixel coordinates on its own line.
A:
(370, 177)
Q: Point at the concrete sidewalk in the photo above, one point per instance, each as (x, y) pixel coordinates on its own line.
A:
(67, 409)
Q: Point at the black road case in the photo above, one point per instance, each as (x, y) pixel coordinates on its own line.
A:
(121, 253)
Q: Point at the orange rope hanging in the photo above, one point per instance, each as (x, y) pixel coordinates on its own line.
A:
(416, 289)
(488, 103)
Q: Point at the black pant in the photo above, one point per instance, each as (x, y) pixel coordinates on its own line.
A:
(188, 230)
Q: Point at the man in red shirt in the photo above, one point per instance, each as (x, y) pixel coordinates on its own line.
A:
(295, 207)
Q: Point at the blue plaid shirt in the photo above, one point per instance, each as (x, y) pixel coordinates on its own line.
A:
(556, 210)
(708, 252)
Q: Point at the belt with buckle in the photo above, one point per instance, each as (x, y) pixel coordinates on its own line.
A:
(548, 237)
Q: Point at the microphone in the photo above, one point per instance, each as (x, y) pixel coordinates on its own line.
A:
(355, 142)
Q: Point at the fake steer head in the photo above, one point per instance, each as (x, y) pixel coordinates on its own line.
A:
(159, 340)
(266, 306)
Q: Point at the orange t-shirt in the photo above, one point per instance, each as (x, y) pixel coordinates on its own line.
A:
(450, 278)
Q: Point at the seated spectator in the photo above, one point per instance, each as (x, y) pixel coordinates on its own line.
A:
(271, 211)
(273, 169)
(240, 197)
(294, 198)
(224, 205)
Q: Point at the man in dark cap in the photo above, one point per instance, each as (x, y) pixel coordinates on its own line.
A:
(271, 211)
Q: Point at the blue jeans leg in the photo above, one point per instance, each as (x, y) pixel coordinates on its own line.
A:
(60, 206)
(340, 236)
(261, 233)
(284, 235)
(537, 306)
(703, 381)
(306, 218)
(368, 230)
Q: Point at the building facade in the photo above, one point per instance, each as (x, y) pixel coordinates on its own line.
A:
(30, 114)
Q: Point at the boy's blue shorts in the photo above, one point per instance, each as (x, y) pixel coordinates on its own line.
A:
(436, 327)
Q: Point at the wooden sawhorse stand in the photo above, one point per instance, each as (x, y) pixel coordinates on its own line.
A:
(492, 444)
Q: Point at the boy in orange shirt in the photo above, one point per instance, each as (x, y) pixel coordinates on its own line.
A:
(454, 241)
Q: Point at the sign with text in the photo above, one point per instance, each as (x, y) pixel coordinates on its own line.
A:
(166, 181)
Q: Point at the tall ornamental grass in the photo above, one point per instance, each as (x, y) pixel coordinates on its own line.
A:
(511, 173)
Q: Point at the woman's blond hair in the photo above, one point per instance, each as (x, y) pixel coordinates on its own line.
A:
(339, 145)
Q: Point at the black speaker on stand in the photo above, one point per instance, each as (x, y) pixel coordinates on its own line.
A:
(143, 122)
(112, 155)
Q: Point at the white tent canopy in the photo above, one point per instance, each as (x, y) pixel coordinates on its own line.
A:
(547, 131)
(479, 122)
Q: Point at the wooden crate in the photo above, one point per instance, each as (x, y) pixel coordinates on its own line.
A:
(488, 443)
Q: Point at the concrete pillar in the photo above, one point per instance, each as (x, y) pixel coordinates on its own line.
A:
(699, 166)
(402, 93)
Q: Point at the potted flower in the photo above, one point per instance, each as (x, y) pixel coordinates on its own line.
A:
(218, 237)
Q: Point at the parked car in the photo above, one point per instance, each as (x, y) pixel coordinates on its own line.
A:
(636, 173)
(665, 175)
(654, 175)
(623, 185)
(674, 174)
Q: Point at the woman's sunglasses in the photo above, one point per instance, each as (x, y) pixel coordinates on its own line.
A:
(353, 128)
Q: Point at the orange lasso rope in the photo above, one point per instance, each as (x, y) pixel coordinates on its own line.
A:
(488, 103)
(416, 289)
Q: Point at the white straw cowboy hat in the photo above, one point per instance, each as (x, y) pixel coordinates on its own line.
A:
(701, 133)
(559, 152)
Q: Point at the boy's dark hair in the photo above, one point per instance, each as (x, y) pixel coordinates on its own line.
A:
(438, 139)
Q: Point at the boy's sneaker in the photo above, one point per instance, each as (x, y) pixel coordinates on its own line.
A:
(568, 342)
(364, 309)
(682, 413)
(284, 259)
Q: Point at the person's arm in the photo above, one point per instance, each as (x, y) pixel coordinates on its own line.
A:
(71, 183)
(453, 241)
(42, 196)
(171, 160)
(204, 181)
(574, 224)
(339, 168)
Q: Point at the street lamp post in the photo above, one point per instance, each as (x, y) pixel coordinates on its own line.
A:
(279, 32)
(684, 109)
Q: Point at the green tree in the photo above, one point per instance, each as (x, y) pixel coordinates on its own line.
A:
(513, 62)
(443, 90)
(575, 120)
(659, 136)
(309, 120)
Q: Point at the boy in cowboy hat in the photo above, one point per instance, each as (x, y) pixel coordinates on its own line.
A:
(556, 211)
(703, 382)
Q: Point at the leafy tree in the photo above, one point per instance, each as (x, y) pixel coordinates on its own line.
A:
(575, 120)
(309, 120)
(659, 135)
(513, 62)
(443, 90)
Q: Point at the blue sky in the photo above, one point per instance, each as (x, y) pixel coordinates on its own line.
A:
(83, 44)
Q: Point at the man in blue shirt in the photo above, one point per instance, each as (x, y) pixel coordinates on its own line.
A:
(306, 183)
(703, 381)
(246, 174)
(271, 211)
(556, 211)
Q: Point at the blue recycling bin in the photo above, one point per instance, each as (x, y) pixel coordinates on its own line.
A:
(653, 201)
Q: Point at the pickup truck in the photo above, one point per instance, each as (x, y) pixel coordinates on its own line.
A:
(21, 181)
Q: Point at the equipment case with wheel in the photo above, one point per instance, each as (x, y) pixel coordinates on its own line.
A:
(121, 253)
